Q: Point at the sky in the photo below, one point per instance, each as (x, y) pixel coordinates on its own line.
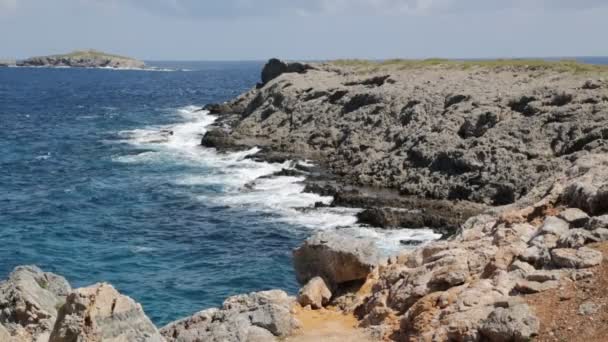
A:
(305, 29)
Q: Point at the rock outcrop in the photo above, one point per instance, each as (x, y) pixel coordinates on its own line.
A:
(479, 134)
(28, 302)
(275, 68)
(99, 313)
(256, 317)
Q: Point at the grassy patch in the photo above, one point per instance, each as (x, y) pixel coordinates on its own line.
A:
(519, 64)
(90, 54)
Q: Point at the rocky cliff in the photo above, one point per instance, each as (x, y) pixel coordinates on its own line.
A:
(459, 132)
(84, 59)
(459, 138)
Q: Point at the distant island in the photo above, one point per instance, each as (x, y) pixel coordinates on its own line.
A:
(83, 59)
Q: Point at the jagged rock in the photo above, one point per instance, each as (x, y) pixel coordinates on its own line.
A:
(336, 257)
(601, 234)
(218, 138)
(576, 238)
(99, 313)
(546, 241)
(597, 222)
(29, 300)
(515, 323)
(589, 193)
(537, 256)
(576, 258)
(576, 217)
(315, 293)
(261, 316)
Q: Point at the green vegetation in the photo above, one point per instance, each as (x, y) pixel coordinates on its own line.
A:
(527, 64)
(89, 54)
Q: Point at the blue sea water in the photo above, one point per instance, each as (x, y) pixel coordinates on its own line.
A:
(93, 188)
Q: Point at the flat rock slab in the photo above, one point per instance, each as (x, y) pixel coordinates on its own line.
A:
(576, 258)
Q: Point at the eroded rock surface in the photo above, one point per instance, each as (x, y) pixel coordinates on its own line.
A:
(99, 313)
(480, 134)
(29, 300)
(336, 258)
(256, 317)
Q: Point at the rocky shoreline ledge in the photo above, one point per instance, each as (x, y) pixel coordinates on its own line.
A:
(512, 157)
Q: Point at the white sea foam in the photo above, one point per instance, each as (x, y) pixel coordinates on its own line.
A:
(243, 183)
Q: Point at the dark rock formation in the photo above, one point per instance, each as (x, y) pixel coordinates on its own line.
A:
(275, 68)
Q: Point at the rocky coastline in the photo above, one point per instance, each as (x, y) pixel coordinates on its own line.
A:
(507, 161)
(83, 59)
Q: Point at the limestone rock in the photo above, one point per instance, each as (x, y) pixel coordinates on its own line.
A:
(589, 193)
(597, 222)
(99, 313)
(29, 300)
(601, 234)
(576, 217)
(515, 323)
(555, 226)
(261, 316)
(315, 293)
(576, 238)
(336, 257)
(4, 334)
(576, 258)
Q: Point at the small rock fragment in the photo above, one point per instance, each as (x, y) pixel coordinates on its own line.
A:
(315, 293)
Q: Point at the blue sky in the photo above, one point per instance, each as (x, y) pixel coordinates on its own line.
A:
(305, 29)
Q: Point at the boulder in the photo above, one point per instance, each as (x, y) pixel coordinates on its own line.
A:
(597, 222)
(555, 226)
(275, 68)
(100, 313)
(576, 258)
(589, 193)
(576, 238)
(29, 300)
(262, 316)
(218, 138)
(601, 234)
(575, 217)
(337, 258)
(515, 323)
(315, 293)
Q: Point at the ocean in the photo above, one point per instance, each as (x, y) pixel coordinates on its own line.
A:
(102, 178)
